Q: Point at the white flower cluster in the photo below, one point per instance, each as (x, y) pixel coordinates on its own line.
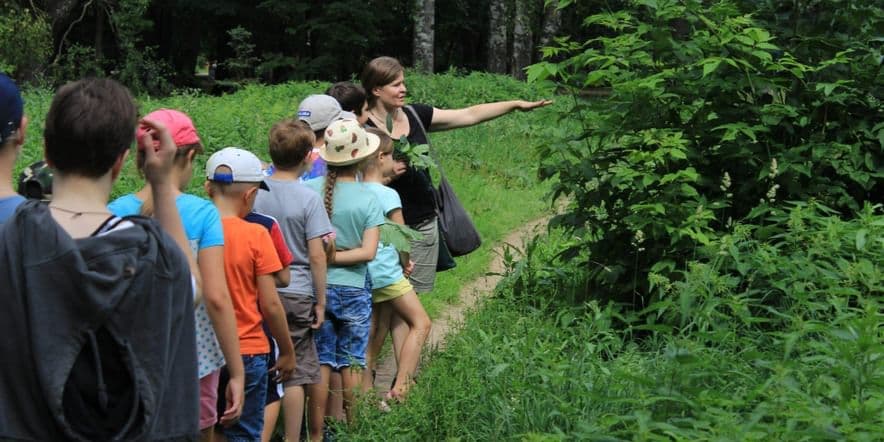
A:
(638, 239)
(774, 169)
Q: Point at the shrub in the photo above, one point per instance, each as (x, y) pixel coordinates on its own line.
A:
(712, 118)
(25, 42)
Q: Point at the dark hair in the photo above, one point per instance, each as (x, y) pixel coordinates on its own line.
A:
(350, 96)
(290, 142)
(89, 124)
(379, 72)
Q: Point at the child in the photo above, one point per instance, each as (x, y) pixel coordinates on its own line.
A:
(304, 223)
(202, 225)
(394, 298)
(351, 97)
(274, 388)
(13, 125)
(355, 215)
(319, 111)
(250, 260)
(113, 355)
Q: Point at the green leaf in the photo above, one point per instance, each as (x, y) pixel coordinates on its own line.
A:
(861, 238)
(710, 65)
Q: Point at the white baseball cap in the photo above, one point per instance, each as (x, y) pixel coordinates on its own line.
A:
(320, 110)
(244, 166)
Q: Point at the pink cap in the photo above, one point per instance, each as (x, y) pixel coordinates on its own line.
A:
(180, 126)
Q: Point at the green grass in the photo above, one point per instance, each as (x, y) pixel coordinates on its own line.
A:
(491, 166)
(790, 351)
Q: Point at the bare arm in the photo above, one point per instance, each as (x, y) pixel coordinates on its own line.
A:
(274, 315)
(395, 215)
(220, 309)
(444, 119)
(158, 164)
(283, 277)
(318, 267)
(363, 253)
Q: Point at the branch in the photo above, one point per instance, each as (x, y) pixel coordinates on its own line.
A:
(68, 31)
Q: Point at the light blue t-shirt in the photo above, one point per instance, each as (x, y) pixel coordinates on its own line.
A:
(203, 228)
(355, 209)
(385, 268)
(8, 206)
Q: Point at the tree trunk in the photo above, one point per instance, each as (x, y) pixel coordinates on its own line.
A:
(523, 41)
(424, 34)
(497, 33)
(552, 22)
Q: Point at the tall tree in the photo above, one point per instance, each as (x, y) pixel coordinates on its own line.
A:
(552, 22)
(523, 40)
(424, 34)
(497, 36)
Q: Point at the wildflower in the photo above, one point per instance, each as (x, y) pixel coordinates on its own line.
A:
(725, 182)
(638, 239)
(772, 193)
(774, 169)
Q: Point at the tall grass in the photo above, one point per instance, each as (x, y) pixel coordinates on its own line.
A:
(776, 340)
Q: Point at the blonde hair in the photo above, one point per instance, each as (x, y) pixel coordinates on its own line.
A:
(180, 157)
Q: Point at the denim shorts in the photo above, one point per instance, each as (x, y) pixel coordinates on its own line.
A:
(343, 336)
(251, 423)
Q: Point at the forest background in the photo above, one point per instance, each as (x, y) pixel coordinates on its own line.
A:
(154, 46)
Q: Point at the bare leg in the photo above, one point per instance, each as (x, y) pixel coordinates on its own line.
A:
(335, 406)
(351, 378)
(293, 409)
(206, 434)
(316, 402)
(399, 330)
(380, 324)
(271, 412)
(410, 309)
(318, 394)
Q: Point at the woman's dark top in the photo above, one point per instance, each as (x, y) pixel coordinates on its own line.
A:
(415, 187)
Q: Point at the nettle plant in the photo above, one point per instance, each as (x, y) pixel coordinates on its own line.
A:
(715, 115)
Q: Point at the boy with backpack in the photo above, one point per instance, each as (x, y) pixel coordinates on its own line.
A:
(98, 318)
(250, 262)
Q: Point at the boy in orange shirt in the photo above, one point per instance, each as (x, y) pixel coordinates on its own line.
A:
(250, 261)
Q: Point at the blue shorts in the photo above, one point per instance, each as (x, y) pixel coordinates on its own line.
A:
(251, 423)
(343, 336)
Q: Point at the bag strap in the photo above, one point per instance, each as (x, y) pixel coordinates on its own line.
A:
(436, 198)
(433, 155)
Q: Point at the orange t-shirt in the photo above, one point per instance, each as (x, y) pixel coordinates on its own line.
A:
(248, 253)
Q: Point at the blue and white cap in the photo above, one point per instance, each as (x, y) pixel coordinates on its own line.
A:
(244, 167)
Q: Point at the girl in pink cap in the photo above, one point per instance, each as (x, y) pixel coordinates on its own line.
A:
(217, 338)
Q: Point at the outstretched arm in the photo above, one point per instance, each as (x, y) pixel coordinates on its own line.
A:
(444, 119)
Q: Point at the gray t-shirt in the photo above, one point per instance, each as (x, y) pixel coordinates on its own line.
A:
(301, 216)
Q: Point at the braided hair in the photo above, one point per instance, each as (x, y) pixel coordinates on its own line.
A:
(330, 177)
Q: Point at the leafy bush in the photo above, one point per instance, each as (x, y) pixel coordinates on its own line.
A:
(25, 41)
(757, 341)
(712, 118)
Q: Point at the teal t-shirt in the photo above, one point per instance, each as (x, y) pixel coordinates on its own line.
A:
(385, 268)
(354, 209)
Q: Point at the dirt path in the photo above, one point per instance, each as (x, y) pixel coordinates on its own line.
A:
(470, 295)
